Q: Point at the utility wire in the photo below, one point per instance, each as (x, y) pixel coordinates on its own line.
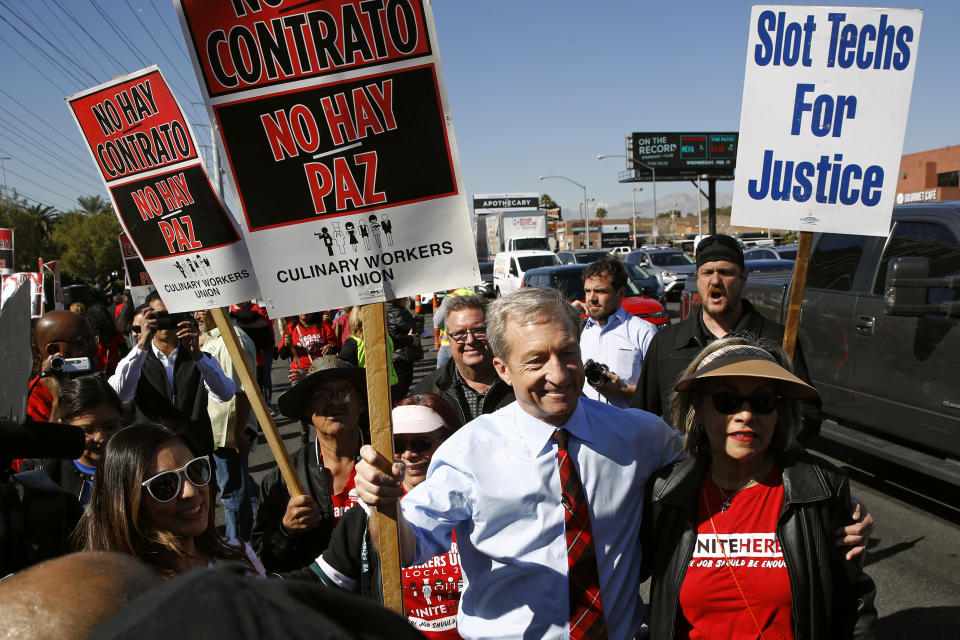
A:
(73, 35)
(73, 18)
(40, 49)
(20, 194)
(52, 177)
(56, 152)
(42, 186)
(72, 141)
(35, 67)
(120, 34)
(173, 67)
(66, 58)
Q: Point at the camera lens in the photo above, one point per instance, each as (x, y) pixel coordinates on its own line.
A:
(57, 364)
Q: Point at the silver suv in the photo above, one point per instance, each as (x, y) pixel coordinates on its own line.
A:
(670, 266)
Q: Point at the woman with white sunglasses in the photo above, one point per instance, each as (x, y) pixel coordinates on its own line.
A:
(152, 499)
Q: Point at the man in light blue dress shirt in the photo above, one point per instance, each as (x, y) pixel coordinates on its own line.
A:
(496, 483)
(612, 336)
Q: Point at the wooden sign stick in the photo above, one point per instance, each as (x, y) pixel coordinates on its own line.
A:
(796, 293)
(381, 433)
(257, 402)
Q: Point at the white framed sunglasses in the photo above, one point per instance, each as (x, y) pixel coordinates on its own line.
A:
(167, 485)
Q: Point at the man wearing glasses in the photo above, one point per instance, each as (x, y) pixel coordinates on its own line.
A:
(468, 381)
(290, 533)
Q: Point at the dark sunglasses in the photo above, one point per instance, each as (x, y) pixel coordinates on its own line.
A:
(166, 485)
(416, 445)
(728, 403)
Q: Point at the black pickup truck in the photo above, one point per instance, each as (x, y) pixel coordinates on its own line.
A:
(880, 332)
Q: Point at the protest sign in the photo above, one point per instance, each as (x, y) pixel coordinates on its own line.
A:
(825, 101)
(143, 146)
(6, 252)
(34, 281)
(54, 268)
(336, 126)
(137, 278)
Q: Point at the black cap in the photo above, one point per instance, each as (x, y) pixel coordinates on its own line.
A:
(719, 247)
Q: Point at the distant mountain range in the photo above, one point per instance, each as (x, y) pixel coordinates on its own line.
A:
(686, 202)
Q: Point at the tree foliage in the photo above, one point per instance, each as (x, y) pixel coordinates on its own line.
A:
(546, 202)
(601, 213)
(83, 240)
(32, 227)
(88, 244)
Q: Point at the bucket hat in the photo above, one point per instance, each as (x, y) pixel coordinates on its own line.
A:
(323, 369)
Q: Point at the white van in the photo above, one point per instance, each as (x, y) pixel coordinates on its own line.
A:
(509, 267)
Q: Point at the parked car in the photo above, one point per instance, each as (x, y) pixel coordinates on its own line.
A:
(509, 267)
(670, 266)
(568, 278)
(645, 282)
(582, 256)
(486, 288)
(761, 253)
(620, 252)
(787, 251)
(880, 333)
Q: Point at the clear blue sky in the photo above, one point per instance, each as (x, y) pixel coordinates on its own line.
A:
(536, 87)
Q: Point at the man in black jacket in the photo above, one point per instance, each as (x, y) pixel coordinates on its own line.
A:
(721, 276)
(169, 378)
(468, 382)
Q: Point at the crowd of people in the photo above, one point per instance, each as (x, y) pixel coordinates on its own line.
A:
(533, 503)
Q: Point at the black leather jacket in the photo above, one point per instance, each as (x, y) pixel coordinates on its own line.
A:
(278, 550)
(832, 598)
(443, 383)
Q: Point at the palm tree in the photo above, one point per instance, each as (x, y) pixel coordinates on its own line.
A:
(92, 205)
(601, 213)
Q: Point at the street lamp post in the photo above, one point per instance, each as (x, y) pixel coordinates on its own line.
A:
(634, 219)
(586, 223)
(699, 207)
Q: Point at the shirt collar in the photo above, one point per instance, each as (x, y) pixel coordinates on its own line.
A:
(161, 355)
(617, 317)
(538, 435)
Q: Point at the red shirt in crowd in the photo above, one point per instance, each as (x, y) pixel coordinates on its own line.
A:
(308, 342)
(711, 603)
(431, 594)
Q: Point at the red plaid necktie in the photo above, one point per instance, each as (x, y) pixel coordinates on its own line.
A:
(586, 610)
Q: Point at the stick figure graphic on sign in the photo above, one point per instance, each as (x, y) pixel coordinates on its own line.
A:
(375, 228)
(327, 240)
(193, 267)
(387, 229)
(180, 267)
(338, 238)
(365, 235)
(426, 590)
(353, 235)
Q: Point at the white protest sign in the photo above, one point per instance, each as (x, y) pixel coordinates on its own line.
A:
(336, 126)
(825, 101)
(146, 153)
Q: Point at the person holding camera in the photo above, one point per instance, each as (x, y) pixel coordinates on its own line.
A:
(169, 378)
(66, 346)
(613, 342)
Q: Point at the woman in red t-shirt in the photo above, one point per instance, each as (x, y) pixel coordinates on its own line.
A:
(741, 538)
(308, 339)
